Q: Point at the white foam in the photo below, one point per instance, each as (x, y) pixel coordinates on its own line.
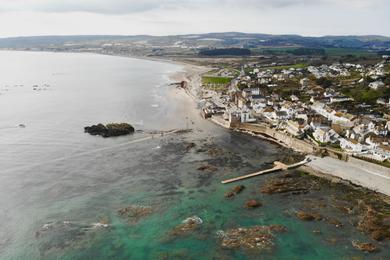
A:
(100, 225)
(196, 219)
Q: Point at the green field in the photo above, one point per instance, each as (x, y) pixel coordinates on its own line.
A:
(207, 80)
(387, 68)
(216, 83)
(366, 95)
(344, 52)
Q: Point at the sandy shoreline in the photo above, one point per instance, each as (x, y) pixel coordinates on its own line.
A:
(377, 180)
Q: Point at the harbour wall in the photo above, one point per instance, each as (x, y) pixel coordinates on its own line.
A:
(279, 137)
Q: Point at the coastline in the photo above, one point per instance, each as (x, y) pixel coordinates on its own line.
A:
(192, 75)
(96, 197)
(376, 179)
(172, 179)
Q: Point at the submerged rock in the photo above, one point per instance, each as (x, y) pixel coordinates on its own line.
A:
(250, 204)
(187, 226)
(366, 247)
(193, 219)
(371, 222)
(229, 194)
(289, 183)
(334, 222)
(278, 228)
(236, 190)
(306, 216)
(314, 203)
(135, 213)
(252, 238)
(189, 146)
(110, 130)
(211, 149)
(57, 236)
(208, 168)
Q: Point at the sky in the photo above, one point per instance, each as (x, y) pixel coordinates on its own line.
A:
(170, 17)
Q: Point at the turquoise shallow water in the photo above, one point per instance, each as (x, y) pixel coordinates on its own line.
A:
(57, 182)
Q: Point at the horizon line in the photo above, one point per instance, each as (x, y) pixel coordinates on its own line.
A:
(188, 34)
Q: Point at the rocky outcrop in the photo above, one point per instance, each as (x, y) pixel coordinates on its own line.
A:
(109, 130)
(289, 183)
(371, 222)
(278, 228)
(335, 222)
(236, 190)
(258, 238)
(208, 168)
(187, 226)
(229, 194)
(306, 216)
(365, 247)
(251, 204)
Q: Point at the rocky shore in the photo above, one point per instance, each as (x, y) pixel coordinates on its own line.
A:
(255, 238)
(354, 207)
(192, 76)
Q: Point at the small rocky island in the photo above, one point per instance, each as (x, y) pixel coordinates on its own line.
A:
(109, 130)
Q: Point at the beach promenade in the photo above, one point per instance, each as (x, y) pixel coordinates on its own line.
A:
(376, 177)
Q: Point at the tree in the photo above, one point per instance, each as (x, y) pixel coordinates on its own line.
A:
(324, 82)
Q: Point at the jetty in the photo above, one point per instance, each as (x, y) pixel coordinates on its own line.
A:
(279, 166)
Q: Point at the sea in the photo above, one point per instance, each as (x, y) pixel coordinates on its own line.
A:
(63, 192)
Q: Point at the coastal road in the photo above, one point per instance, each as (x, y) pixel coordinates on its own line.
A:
(375, 178)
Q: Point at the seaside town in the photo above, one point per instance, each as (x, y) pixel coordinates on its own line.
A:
(219, 129)
(342, 107)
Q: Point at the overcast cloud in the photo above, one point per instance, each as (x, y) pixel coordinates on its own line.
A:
(161, 17)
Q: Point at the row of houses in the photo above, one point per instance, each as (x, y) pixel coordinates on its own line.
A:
(317, 119)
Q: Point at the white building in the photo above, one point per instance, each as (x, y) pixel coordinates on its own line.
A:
(340, 99)
(246, 117)
(294, 128)
(376, 84)
(331, 115)
(352, 145)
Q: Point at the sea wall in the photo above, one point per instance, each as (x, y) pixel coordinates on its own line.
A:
(220, 121)
(288, 140)
(326, 162)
